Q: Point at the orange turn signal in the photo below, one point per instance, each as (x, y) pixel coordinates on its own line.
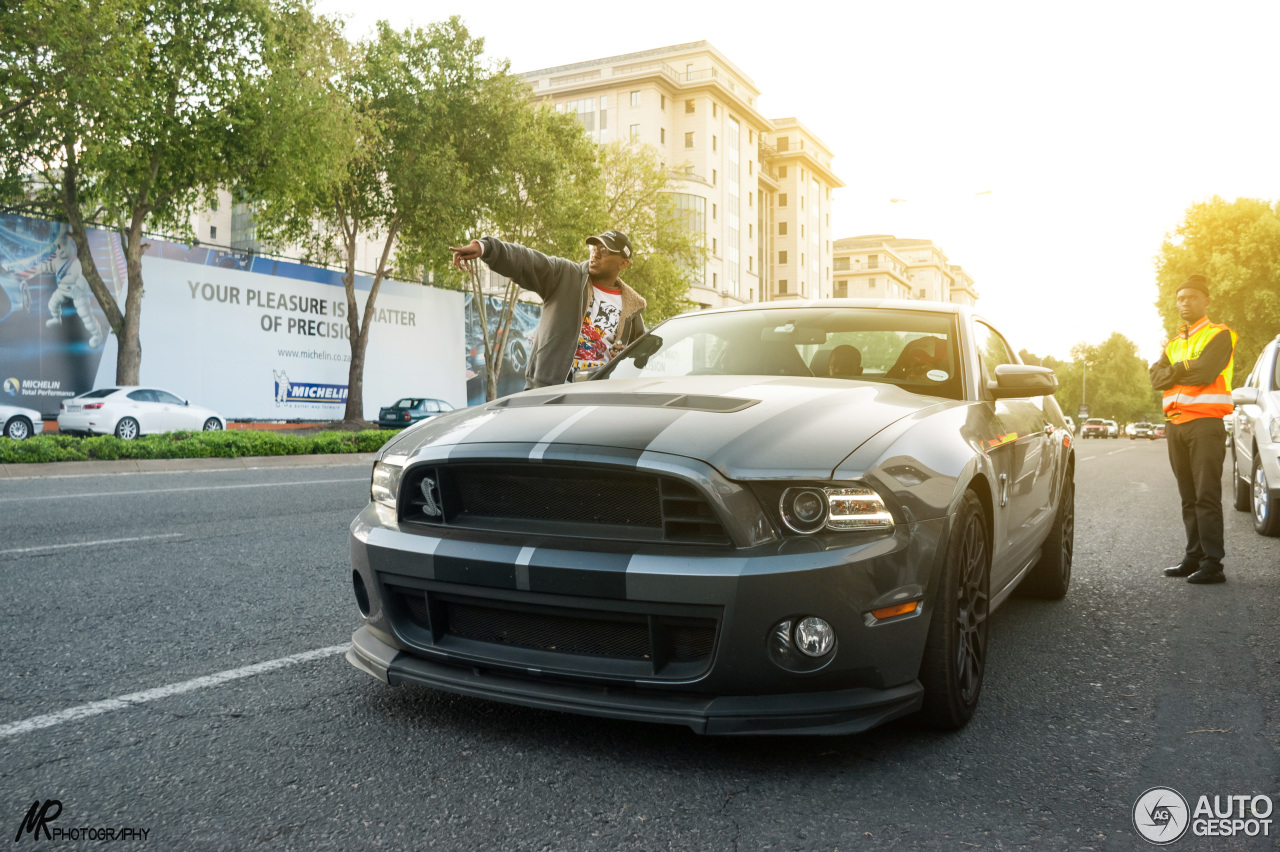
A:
(896, 609)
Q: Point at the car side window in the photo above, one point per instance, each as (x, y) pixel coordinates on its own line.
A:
(430, 407)
(991, 347)
(1275, 369)
(142, 396)
(167, 398)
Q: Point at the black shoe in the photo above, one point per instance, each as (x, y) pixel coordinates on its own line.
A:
(1208, 575)
(1180, 571)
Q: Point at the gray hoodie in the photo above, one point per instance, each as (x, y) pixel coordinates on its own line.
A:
(567, 294)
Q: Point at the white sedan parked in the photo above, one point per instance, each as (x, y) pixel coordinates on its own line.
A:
(19, 423)
(1255, 456)
(130, 411)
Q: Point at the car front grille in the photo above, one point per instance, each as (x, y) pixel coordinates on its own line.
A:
(660, 643)
(561, 500)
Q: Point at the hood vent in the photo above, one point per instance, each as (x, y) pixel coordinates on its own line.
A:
(683, 401)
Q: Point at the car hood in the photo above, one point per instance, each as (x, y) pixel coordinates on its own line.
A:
(747, 427)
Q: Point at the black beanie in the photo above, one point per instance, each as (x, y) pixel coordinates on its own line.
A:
(1196, 282)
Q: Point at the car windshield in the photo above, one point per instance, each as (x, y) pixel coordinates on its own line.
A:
(913, 349)
(408, 403)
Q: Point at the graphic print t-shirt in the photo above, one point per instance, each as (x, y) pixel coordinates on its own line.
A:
(599, 329)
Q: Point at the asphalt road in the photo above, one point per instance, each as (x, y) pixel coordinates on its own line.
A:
(134, 606)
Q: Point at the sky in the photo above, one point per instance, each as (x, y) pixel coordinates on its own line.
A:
(1047, 148)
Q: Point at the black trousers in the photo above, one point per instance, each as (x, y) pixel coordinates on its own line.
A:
(1196, 452)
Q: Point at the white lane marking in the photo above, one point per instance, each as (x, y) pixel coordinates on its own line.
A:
(96, 708)
(1121, 450)
(174, 490)
(89, 543)
(541, 448)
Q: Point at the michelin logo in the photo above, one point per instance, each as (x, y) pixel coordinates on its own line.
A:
(287, 391)
(11, 387)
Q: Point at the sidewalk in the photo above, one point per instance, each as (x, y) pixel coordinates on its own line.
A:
(100, 468)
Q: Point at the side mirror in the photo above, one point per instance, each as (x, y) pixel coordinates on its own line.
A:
(186, 402)
(1019, 381)
(1244, 396)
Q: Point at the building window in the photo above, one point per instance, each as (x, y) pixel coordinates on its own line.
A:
(922, 294)
(782, 171)
(871, 283)
(664, 102)
(713, 212)
(585, 110)
(802, 202)
(802, 264)
(662, 135)
(715, 281)
(751, 231)
(635, 99)
(842, 289)
(782, 229)
(782, 287)
(841, 263)
(783, 144)
(213, 232)
(873, 261)
(715, 247)
(802, 230)
(635, 131)
(750, 268)
(714, 177)
(604, 118)
(782, 199)
(750, 167)
(688, 139)
(782, 257)
(714, 111)
(714, 142)
(751, 199)
(751, 137)
(688, 107)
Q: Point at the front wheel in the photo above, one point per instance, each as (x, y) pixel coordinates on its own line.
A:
(1243, 490)
(955, 653)
(1266, 506)
(1051, 576)
(213, 424)
(17, 429)
(127, 429)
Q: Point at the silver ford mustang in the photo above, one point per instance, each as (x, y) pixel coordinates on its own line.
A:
(788, 519)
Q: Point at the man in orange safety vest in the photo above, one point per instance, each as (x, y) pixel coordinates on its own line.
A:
(1195, 374)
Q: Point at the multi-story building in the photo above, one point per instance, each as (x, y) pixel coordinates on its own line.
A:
(740, 175)
(798, 201)
(881, 266)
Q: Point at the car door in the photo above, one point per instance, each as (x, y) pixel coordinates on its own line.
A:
(177, 414)
(142, 405)
(1022, 461)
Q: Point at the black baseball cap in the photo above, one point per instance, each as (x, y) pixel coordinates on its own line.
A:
(614, 241)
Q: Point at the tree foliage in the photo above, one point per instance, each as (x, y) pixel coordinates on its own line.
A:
(1112, 377)
(1236, 245)
(130, 112)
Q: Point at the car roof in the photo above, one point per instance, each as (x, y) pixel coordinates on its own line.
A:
(890, 304)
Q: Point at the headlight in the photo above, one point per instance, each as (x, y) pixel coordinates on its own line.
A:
(1274, 429)
(386, 483)
(807, 510)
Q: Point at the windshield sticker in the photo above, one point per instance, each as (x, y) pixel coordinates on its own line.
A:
(937, 375)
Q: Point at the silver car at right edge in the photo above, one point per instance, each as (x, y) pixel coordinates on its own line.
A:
(1255, 454)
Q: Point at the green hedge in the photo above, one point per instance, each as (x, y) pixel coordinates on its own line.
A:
(189, 445)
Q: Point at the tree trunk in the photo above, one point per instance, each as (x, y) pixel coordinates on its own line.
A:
(129, 345)
(71, 207)
(360, 325)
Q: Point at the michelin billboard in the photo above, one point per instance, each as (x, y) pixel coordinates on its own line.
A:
(253, 338)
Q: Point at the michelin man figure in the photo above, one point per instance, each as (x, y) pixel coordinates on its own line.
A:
(72, 286)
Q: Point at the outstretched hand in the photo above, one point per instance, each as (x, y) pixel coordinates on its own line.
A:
(462, 254)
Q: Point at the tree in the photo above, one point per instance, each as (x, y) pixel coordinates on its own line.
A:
(1111, 376)
(1236, 245)
(130, 112)
(670, 251)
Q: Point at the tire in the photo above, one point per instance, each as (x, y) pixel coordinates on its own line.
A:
(127, 429)
(18, 428)
(213, 424)
(1266, 506)
(1050, 578)
(955, 652)
(1243, 488)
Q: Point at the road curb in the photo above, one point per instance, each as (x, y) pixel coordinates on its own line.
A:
(36, 470)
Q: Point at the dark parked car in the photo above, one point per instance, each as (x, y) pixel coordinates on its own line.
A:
(410, 410)
(716, 532)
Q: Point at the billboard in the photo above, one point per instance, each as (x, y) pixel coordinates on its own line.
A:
(253, 338)
(519, 346)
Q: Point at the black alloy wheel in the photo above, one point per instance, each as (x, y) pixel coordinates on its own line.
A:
(1050, 578)
(18, 428)
(1243, 490)
(127, 429)
(955, 653)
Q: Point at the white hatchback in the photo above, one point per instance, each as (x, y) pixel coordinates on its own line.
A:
(130, 411)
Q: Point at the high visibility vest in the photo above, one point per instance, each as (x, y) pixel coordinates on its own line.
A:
(1183, 403)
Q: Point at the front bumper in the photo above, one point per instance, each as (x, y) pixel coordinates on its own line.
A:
(408, 579)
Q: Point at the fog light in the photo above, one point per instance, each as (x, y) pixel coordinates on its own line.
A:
(814, 637)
